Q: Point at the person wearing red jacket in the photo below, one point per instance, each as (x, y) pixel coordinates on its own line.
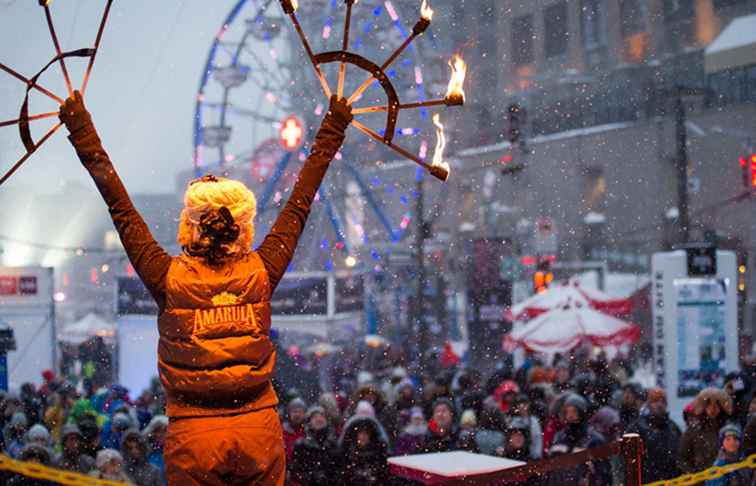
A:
(215, 356)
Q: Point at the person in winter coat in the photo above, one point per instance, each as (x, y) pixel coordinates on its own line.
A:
(14, 434)
(385, 413)
(363, 449)
(90, 433)
(699, 445)
(406, 399)
(517, 440)
(739, 387)
(135, 465)
(661, 438)
(606, 421)
(215, 356)
(154, 434)
(31, 453)
(521, 408)
(505, 393)
(554, 422)
(468, 428)
(443, 434)
(112, 432)
(410, 441)
(730, 438)
(315, 460)
(71, 457)
(294, 425)
(39, 435)
(109, 465)
(490, 435)
(630, 405)
(575, 436)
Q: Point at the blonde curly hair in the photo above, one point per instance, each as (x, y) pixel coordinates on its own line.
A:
(209, 193)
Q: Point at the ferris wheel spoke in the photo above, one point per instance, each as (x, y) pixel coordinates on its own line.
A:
(263, 66)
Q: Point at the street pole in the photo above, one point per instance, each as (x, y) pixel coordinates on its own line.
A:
(681, 164)
(420, 320)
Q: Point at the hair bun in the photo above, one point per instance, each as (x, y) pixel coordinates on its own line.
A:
(219, 227)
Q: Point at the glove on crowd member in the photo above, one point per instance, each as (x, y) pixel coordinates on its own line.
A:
(215, 356)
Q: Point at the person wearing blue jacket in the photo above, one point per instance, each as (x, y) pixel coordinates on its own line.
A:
(730, 438)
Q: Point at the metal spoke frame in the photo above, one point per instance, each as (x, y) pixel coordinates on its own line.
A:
(31, 84)
(377, 73)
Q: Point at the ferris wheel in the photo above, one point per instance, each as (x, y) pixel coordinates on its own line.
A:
(258, 106)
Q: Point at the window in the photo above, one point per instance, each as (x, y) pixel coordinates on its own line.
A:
(522, 40)
(592, 22)
(678, 10)
(726, 3)
(631, 14)
(555, 26)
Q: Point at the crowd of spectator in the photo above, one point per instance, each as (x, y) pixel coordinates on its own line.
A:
(344, 433)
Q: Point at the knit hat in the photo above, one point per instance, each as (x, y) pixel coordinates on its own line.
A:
(38, 433)
(656, 394)
(364, 409)
(417, 412)
(105, 456)
(296, 403)
(70, 429)
(446, 402)
(468, 418)
(18, 420)
(518, 423)
(578, 402)
(121, 421)
(315, 409)
(730, 429)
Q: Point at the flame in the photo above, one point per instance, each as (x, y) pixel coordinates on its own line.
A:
(438, 154)
(425, 11)
(295, 4)
(459, 70)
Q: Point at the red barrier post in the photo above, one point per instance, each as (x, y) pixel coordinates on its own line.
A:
(632, 448)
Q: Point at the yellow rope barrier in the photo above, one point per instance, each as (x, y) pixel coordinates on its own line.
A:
(707, 474)
(38, 471)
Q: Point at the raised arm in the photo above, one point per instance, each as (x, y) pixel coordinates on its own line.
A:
(150, 261)
(277, 249)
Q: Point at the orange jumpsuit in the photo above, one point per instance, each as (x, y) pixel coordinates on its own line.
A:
(215, 357)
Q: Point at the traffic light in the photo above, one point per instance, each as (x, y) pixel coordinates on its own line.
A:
(516, 118)
(542, 277)
(748, 171)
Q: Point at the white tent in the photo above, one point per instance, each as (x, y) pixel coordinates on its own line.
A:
(559, 295)
(566, 327)
(89, 326)
(734, 47)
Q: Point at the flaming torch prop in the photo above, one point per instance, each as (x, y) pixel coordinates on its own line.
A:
(455, 95)
(31, 84)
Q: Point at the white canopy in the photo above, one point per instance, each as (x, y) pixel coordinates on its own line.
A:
(735, 46)
(562, 329)
(559, 295)
(89, 326)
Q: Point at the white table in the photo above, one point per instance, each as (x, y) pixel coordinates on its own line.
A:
(440, 467)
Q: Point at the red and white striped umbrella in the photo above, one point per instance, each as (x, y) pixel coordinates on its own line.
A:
(559, 295)
(565, 327)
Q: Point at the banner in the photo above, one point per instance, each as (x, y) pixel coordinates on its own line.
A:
(133, 298)
(701, 324)
(301, 296)
(350, 294)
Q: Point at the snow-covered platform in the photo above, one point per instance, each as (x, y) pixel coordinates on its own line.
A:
(440, 467)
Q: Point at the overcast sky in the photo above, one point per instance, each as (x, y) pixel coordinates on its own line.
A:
(141, 94)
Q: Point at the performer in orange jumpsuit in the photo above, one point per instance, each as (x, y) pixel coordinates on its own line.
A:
(215, 357)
